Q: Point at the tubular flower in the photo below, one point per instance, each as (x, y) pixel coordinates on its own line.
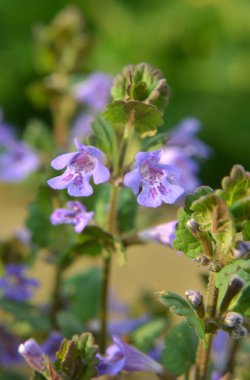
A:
(80, 167)
(34, 356)
(158, 181)
(162, 234)
(75, 214)
(15, 285)
(121, 356)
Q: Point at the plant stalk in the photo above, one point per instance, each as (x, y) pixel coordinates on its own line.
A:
(107, 259)
(204, 352)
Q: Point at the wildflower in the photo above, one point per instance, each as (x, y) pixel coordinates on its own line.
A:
(186, 165)
(220, 350)
(157, 180)
(6, 133)
(232, 319)
(8, 348)
(163, 233)
(15, 285)
(52, 344)
(80, 167)
(183, 135)
(94, 91)
(75, 214)
(17, 162)
(82, 126)
(34, 356)
(121, 356)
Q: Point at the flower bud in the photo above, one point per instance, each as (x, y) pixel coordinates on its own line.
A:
(193, 226)
(34, 356)
(233, 289)
(232, 319)
(239, 332)
(196, 300)
(241, 250)
(203, 260)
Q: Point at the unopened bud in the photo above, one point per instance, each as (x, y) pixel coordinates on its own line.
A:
(239, 332)
(203, 260)
(232, 319)
(214, 267)
(193, 226)
(33, 355)
(241, 250)
(233, 289)
(196, 300)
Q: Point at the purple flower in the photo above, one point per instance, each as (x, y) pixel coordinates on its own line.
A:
(183, 135)
(162, 234)
(52, 344)
(15, 285)
(94, 91)
(220, 350)
(8, 348)
(82, 126)
(158, 181)
(34, 356)
(75, 214)
(121, 356)
(17, 162)
(7, 136)
(80, 167)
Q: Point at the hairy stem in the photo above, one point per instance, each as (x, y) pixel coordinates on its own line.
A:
(204, 351)
(111, 227)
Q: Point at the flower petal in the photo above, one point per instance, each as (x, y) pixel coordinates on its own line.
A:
(171, 193)
(63, 160)
(61, 181)
(133, 180)
(149, 197)
(80, 189)
(100, 173)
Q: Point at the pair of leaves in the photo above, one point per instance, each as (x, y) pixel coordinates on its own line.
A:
(180, 306)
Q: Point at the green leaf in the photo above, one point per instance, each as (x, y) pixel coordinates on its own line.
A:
(38, 135)
(242, 305)
(246, 230)
(241, 210)
(143, 83)
(104, 137)
(68, 323)
(198, 193)
(9, 375)
(145, 118)
(83, 292)
(180, 348)
(185, 241)
(85, 344)
(127, 211)
(213, 216)
(144, 337)
(236, 186)
(180, 306)
(24, 312)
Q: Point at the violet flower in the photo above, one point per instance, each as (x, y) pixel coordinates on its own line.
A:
(34, 356)
(17, 162)
(162, 233)
(82, 126)
(8, 348)
(7, 136)
(220, 347)
(15, 285)
(80, 167)
(158, 181)
(121, 356)
(183, 135)
(188, 168)
(52, 344)
(76, 215)
(94, 91)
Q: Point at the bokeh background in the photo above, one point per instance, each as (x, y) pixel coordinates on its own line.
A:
(203, 49)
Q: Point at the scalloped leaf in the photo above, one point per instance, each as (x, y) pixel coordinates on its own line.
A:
(141, 82)
(236, 186)
(145, 118)
(180, 348)
(185, 241)
(213, 216)
(180, 306)
(198, 193)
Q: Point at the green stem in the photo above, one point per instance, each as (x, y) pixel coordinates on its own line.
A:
(107, 258)
(204, 351)
(56, 296)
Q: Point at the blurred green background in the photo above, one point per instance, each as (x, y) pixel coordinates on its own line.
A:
(202, 46)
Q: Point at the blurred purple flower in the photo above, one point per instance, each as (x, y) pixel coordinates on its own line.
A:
(8, 348)
(158, 181)
(34, 356)
(115, 305)
(163, 233)
(80, 167)
(94, 91)
(15, 285)
(52, 344)
(187, 167)
(82, 126)
(220, 350)
(121, 356)
(76, 215)
(7, 136)
(17, 162)
(183, 135)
